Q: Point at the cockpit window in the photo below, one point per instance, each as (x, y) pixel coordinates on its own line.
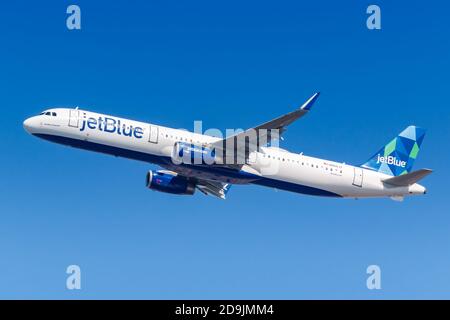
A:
(48, 113)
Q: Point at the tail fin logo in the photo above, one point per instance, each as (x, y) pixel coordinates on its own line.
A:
(398, 156)
(391, 160)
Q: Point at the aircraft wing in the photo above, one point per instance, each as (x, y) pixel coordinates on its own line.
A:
(214, 188)
(264, 130)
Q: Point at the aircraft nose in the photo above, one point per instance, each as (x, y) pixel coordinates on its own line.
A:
(29, 124)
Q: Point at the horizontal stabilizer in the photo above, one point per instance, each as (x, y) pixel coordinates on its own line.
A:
(408, 179)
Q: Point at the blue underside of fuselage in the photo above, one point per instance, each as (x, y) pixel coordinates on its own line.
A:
(167, 163)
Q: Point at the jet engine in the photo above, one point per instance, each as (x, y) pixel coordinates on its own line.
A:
(169, 182)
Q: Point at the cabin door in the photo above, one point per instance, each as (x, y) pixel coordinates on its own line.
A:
(358, 177)
(153, 137)
(73, 118)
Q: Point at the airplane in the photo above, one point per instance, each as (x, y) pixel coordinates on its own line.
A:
(388, 173)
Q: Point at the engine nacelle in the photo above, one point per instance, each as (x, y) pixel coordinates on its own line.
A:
(192, 154)
(170, 182)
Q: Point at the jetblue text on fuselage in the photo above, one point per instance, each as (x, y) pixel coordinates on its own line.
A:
(111, 125)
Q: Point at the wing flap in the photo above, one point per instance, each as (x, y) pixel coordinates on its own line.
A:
(214, 188)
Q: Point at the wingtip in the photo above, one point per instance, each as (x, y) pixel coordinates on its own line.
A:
(309, 103)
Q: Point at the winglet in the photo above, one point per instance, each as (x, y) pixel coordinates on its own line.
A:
(309, 103)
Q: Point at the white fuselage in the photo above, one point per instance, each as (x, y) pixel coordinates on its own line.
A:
(272, 167)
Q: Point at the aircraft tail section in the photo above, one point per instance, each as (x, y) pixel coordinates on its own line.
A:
(397, 157)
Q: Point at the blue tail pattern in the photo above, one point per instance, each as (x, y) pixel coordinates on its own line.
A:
(397, 157)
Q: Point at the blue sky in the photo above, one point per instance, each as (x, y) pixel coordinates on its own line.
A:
(231, 64)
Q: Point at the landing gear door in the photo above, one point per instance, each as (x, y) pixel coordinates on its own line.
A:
(74, 118)
(358, 177)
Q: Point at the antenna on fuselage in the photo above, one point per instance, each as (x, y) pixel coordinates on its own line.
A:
(76, 108)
